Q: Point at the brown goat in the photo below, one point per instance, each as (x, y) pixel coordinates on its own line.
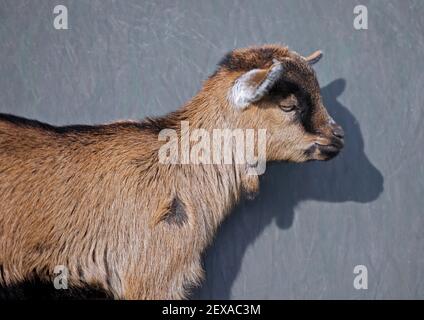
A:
(98, 200)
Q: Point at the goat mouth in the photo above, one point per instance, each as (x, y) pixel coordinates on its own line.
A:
(334, 142)
(329, 151)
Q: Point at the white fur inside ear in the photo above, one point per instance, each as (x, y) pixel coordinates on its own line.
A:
(243, 92)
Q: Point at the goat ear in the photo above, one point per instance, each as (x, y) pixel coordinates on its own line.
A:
(254, 85)
(314, 57)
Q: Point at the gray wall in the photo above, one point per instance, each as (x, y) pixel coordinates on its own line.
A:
(312, 223)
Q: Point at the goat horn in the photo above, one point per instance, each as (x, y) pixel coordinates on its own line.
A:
(314, 57)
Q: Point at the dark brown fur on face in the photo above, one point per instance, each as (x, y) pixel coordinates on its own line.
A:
(97, 200)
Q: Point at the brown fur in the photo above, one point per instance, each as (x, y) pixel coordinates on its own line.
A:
(97, 200)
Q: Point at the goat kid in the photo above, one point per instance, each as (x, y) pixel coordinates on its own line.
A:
(97, 200)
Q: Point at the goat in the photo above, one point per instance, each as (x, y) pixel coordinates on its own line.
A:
(98, 200)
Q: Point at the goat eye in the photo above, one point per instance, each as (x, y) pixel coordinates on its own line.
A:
(288, 108)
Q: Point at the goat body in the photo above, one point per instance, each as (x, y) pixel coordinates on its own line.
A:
(97, 200)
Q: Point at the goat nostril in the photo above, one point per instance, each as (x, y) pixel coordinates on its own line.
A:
(338, 132)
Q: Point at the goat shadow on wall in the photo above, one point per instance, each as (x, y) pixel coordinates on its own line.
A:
(348, 177)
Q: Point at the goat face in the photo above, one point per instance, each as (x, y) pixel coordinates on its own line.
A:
(275, 89)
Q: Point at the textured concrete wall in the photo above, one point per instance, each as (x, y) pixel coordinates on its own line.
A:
(312, 223)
